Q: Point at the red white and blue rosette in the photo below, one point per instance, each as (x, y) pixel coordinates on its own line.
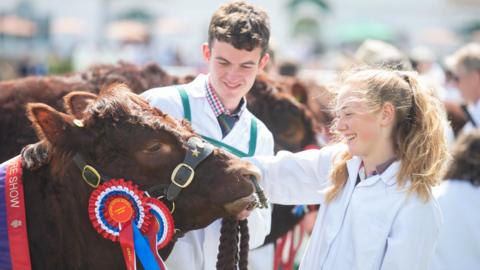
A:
(165, 222)
(116, 202)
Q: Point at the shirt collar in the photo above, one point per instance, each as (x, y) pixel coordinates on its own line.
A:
(388, 175)
(379, 169)
(383, 166)
(217, 106)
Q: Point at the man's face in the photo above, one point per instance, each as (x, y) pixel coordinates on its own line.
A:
(468, 83)
(232, 71)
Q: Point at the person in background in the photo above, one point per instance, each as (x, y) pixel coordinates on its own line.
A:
(466, 67)
(380, 54)
(459, 197)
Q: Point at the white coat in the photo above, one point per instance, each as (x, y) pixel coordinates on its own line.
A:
(459, 242)
(198, 249)
(373, 225)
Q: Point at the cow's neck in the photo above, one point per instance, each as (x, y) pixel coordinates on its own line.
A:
(59, 230)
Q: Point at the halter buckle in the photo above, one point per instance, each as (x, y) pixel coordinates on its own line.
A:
(87, 173)
(187, 179)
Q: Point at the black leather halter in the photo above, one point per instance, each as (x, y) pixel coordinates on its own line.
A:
(183, 174)
(198, 150)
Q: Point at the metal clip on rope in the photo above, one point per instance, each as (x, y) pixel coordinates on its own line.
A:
(261, 195)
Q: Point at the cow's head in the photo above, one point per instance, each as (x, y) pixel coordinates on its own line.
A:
(290, 122)
(123, 137)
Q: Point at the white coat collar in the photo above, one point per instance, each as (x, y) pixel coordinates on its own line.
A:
(198, 89)
(389, 176)
(353, 166)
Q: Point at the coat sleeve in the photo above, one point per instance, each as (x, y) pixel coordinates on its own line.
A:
(411, 242)
(299, 178)
(166, 99)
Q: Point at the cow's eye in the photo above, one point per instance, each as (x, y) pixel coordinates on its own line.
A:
(154, 147)
(290, 132)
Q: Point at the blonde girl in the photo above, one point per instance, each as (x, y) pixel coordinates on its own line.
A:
(374, 187)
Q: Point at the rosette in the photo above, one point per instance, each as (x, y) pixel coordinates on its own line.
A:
(116, 202)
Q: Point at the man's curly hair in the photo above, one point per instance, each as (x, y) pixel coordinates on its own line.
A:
(240, 24)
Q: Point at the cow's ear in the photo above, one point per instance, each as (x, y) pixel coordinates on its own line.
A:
(76, 102)
(49, 124)
(300, 92)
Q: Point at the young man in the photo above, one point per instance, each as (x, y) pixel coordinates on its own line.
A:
(466, 65)
(216, 107)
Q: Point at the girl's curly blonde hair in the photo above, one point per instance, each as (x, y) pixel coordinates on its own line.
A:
(418, 134)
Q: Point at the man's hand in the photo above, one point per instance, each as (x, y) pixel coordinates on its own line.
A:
(254, 170)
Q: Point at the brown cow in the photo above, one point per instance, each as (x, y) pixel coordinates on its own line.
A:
(138, 78)
(291, 123)
(16, 131)
(317, 98)
(123, 137)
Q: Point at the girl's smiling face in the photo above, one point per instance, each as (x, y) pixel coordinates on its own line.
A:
(358, 125)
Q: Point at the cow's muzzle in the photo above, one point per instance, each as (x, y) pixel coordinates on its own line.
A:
(242, 207)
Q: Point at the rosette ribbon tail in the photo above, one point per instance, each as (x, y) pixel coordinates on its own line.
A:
(151, 237)
(126, 238)
(144, 252)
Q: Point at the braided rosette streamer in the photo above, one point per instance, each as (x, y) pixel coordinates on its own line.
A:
(166, 226)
